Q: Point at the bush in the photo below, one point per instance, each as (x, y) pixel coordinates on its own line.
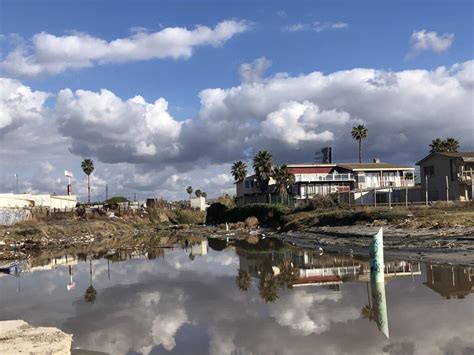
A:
(216, 213)
(265, 213)
(188, 216)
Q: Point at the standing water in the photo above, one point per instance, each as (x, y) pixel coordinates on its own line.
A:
(211, 298)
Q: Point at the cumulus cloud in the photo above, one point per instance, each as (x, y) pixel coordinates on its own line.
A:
(19, 104)
(48, 54)
(103, 125)
(139, 146)
(422, 41)
(316, 26)
(253, 72)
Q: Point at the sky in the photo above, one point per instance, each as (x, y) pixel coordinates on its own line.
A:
(166, 94)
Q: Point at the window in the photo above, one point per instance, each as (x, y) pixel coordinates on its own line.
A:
(247, 184)
(429, 170)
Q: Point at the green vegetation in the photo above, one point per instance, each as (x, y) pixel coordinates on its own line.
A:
(266, 214)
(226, 200)
(359, 133)
(446, 146)
(284, 179)
(178, 216)
(262, 164)
(239, 171)
(116, 199)
(189, 190)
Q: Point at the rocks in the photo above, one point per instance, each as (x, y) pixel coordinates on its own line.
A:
(251, 222)
(17, 336)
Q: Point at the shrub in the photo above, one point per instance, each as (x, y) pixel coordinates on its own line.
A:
(216, 213)
(265, 213)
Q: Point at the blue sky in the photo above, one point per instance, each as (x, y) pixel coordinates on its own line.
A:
(314, 69)
(377, 37)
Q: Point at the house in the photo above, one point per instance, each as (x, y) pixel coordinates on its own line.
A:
(324, 179)
(447, 176)
(365, 180)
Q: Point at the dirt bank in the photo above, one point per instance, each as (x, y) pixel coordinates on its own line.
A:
(18, 337)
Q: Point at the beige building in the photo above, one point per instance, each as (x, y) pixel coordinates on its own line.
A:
(31, 200)
(199, 203)
(447, 175)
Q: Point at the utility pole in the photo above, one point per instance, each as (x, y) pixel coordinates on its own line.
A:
(134, 197)
(106, 192)
(426, 190)
(16, 176)
(447, 190)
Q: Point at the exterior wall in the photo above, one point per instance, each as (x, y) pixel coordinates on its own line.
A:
(383, 178)
(437, 168)
(30, 200)
(198, 203)
(249, 186)
(398, 195)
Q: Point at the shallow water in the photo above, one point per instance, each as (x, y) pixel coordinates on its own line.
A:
(193, 301)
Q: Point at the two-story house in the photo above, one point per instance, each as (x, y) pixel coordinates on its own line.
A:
(448, 176)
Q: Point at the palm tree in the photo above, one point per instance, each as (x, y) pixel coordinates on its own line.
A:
(284, 179)
(198, 193)
(451, 145)
(91, 293)
(358, 133)
(239, 171)
(243, 280)
(189, 190)
(262, 165)
(437, 145)
(88, 167)
(204, 194)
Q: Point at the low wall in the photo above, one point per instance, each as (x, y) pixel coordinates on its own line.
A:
(10, 216)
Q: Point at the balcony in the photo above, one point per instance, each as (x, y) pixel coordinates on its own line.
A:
(323, 177)
(466, 176)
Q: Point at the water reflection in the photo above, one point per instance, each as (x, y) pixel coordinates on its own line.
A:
(159, 301)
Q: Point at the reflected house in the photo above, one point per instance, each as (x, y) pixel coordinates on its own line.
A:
(315, 269)
(450, 281)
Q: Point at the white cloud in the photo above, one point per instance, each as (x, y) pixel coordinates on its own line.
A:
(19, 104)
(253, 72)
(424, 40)
(282, 14)
(48, 54)
(316, 26)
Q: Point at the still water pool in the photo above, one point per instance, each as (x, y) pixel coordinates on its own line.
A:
(244, 299)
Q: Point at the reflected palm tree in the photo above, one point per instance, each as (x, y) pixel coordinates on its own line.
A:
(243, 280)
(268, 288)
(91, 293)
(369, 313)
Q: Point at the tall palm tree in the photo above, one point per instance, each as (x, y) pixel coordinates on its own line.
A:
(189, 190)
(284, 179)
(204, 194)
(451, 145)
(198, 193)
(239, 171)
(262, 165)
(88, 167)
(359, 133)
(91, 293)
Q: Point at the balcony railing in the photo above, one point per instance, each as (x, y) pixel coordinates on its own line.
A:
(467, 176)
(323, 177)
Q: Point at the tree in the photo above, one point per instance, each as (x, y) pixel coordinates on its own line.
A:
(198, 193)
(204, 194)
(448, 145)
(91, 294)
(451, 145)
(243, 280)
(284, 179)
(239, 171)
(189, 190)
(359, 133)
(116, 199)
(88, 167)
(262, 165)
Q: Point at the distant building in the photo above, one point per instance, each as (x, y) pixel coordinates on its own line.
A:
(450, 281)
(60, 202)
(199, 202)
(457, 169)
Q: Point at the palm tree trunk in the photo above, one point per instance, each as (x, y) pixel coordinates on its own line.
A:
(88, 188)
(360, 150)
(90, 272)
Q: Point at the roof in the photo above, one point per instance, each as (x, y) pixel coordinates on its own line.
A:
(462, 155)
(310, 165)
(373, 166)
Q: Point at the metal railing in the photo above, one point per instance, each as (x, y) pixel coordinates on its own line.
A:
(323, 177)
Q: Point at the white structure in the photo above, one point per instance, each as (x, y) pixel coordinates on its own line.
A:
(31, 200)
(199, 203)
